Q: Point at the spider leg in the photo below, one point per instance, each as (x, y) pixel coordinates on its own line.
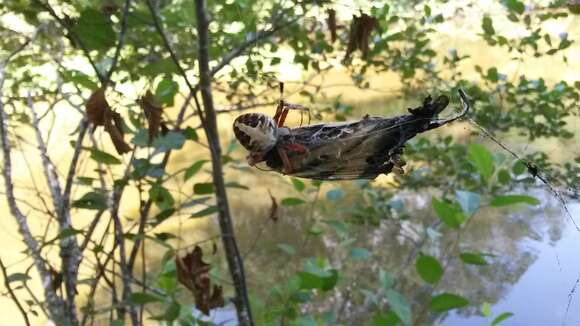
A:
(286, 165)
(297, 148)
(281, 113)
(284, 108)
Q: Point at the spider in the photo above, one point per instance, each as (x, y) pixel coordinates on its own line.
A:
(259, 134)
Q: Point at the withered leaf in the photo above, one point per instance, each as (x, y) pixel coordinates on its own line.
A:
(193, 273)
(56, 278)
(100, 113)
(153, 114)
(361, 28)
(114, 126)
(273, 209)
(331, 20)
(96, 107)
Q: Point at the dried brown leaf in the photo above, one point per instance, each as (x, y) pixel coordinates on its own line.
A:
(361, 28)
(114, 127)
(273, 209)
(99, 113)
(153, 114)
(331, 20)
(96, 107)
(193, 273)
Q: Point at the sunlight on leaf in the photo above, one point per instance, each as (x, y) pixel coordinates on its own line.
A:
(482, 159)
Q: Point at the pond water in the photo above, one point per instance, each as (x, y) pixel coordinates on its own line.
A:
(532, 273)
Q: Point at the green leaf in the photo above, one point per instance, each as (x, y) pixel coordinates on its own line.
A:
(399, 305)
(473, 258)
(447, 301)
(190, 134)
(515, 6)
(193, 169)
(390, 319)
(506, 200)
(330, 281)
(161, 196)
(292, 201)
(166, 91)
(95, 30)
(487, 25)
(204, 188)
(159, 67)
(103, 157)
(486, 309)
(519, 168)
(288, 249)
(172, 312)
(335, 194)
(91, 200)
(79, 79)
(360, 254)
(429, 268)
(68, 232)
(483, 160)
(172, 140)
(205, 212)
(469, 201)
(386, 279)
(236, 185)
(18, 277)
(143, 298)
(501, 318)
(450, 214)
(298, 184)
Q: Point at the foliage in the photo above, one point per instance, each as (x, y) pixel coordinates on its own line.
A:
(166, 165)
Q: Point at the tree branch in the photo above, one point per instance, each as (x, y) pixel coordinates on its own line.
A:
(120, 42)
(69, 250)
(233, 256)
(55, 304)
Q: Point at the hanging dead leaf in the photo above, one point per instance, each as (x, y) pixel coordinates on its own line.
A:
(109, 7)
(114, 126)
(361, 28)
(56, 281)
(193, 273)
(153, 114)
(100, 113)
(273, 209)
(331, 20)
(96, 107)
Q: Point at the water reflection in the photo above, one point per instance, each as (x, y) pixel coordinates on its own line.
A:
(532, 246)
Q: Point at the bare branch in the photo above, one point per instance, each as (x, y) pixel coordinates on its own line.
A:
(55, 305)
(12, 294)
(120, 42)
(235, 262)
(69, 250)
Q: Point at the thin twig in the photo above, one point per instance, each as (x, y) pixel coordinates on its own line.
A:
(12, 294)
(102, 78)
(120, 42)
